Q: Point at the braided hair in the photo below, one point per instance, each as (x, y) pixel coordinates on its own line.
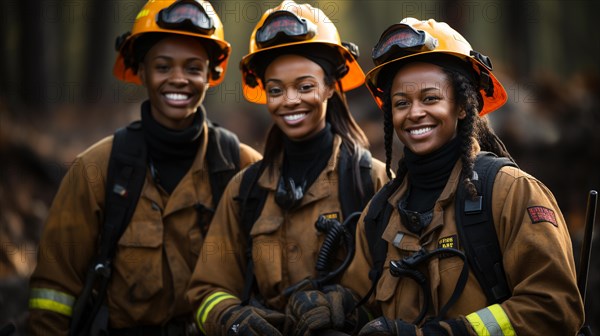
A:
(469, 129)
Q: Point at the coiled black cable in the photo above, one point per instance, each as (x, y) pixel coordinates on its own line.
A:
(335, 232)
(327, 253)
(407, 267)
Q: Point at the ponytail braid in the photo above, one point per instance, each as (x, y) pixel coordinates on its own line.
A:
(472, 128)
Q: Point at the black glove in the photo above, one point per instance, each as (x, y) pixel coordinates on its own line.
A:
(452, 327)
(332, 308)
(384, 326)
(248, 320)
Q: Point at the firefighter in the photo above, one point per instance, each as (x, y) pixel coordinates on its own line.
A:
(176, 50)
(300, 69)
(435, 91)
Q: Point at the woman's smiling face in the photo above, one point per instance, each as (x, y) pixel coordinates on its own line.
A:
(175, 73)
(424, 111)
(297, 95)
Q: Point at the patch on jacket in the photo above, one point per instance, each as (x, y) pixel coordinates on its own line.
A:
(539, 214)
(448, 242)
(332, 215)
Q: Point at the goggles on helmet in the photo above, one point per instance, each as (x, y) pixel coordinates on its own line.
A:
(284, 26)
(401, 40)
(186, 15)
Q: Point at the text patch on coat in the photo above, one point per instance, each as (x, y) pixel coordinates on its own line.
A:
(448, 242)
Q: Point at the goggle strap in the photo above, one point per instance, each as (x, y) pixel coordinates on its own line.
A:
(481, 58)
(352, 48)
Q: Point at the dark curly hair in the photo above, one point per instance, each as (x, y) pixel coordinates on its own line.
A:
(471, 128)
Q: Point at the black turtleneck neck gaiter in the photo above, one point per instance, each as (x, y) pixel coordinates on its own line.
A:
(304, 160)
(428, 174)
(171, 152)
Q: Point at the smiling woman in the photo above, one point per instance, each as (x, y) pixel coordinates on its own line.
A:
(180, 162)
(175, 73)
(297, 96)
(458, 259)
(316, 165)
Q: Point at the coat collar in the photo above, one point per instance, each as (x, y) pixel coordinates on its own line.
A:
(189, 191)
(446, 198)
(317, 190)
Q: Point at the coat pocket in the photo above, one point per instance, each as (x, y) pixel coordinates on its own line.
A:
(139, 260)
(266, 225)
(267, 252)
(386, 286)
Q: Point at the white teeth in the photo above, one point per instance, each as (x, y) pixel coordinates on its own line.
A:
(176, 96)
(294, 117)
(420, 131)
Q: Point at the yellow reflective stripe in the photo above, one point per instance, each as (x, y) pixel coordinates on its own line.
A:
(477, 324)
(502, 320)
(491, 321)
(52, 300)
(208, 305)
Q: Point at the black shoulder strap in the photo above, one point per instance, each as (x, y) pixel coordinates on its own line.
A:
(251, 197)
(376, 220)
(252, 200)
(124, 181)
(223, 153)
(348, 188)
(476, 228)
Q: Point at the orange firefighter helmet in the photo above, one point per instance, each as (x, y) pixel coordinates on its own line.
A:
(291, 24)
(412, 37)
(195, 18)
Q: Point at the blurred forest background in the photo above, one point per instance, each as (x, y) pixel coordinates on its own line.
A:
(58, 96)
